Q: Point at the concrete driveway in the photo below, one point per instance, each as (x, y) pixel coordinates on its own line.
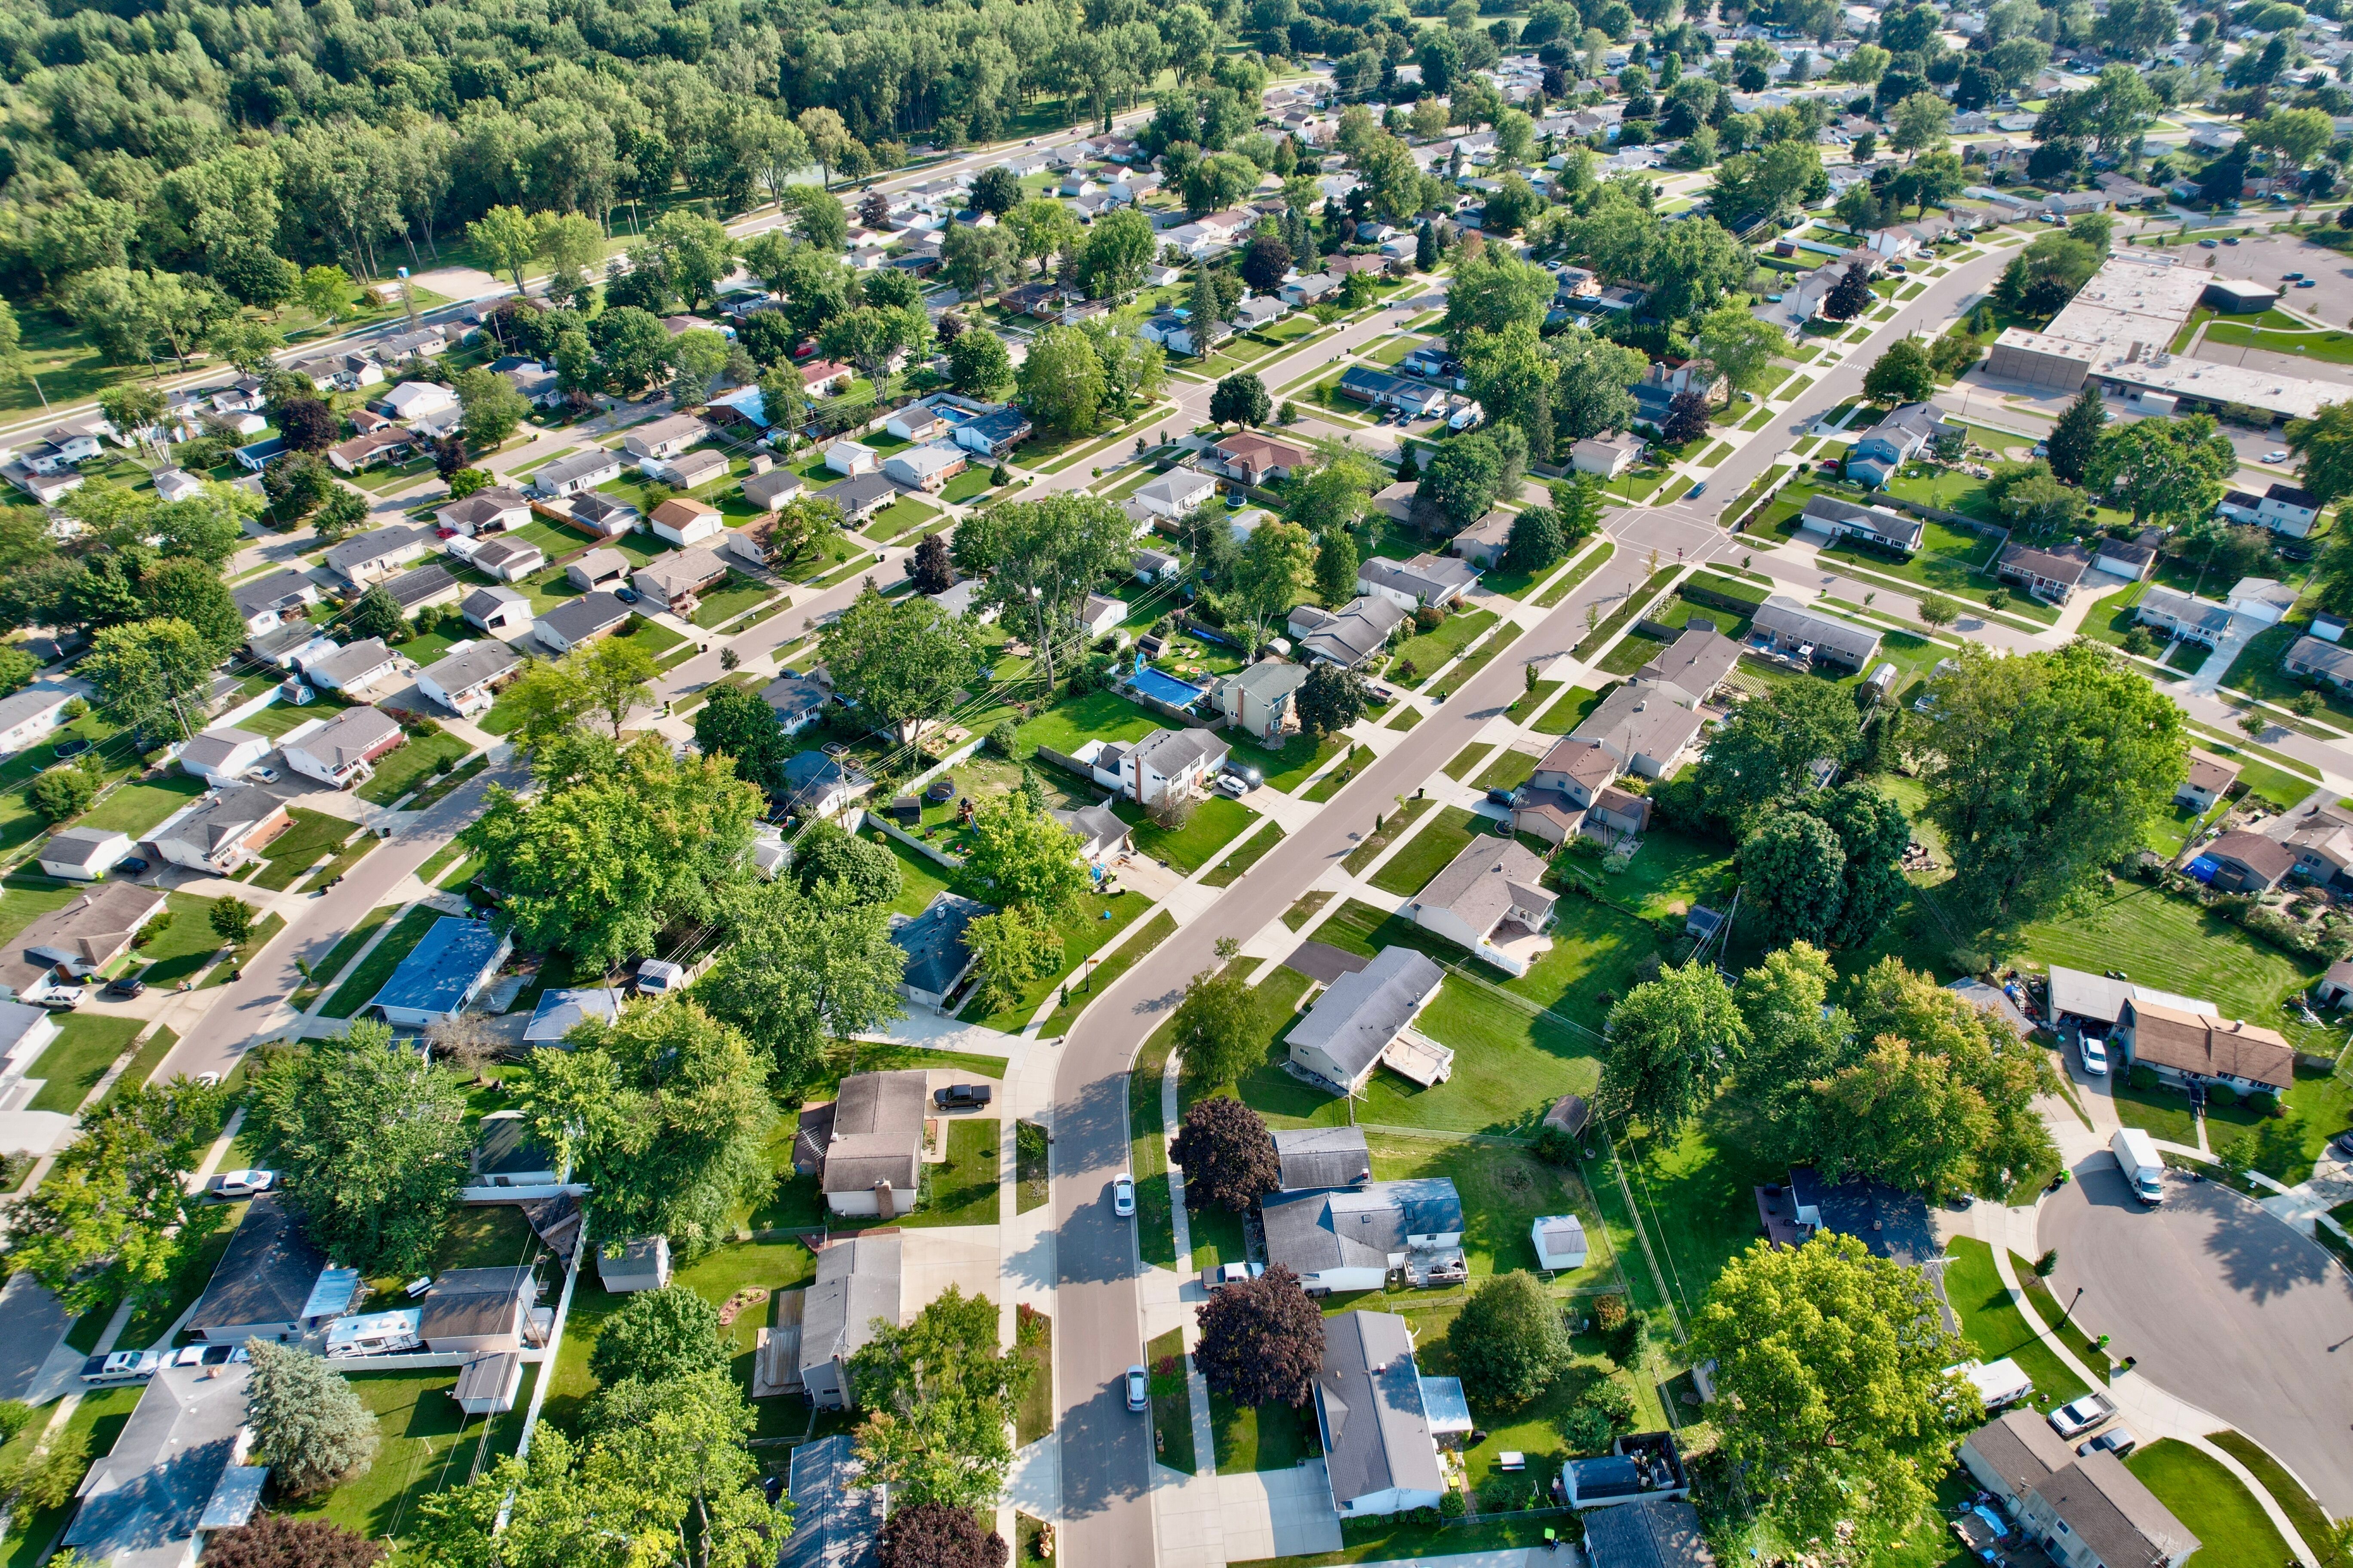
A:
(2223, 1305)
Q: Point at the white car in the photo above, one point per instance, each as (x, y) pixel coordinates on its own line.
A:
(2275, 457)
(262, 775)
(1139, 1389)
(2075, 1420)
(2094, 1053)
(245, 1184)
(1229, 786)
(1122, 1195)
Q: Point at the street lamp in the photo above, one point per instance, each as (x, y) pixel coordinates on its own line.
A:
(2070, 1311)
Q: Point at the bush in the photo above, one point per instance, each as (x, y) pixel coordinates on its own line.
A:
(1609, 1313)
(2142, 1077)
(1428, 619)
(1001, 739)
(1588, 1431)
(73, 711)
(62, 791)
(1610, 1398)
(1555, 1147)
(2222, 1096)
(1451, 1505)
(2262, 1102)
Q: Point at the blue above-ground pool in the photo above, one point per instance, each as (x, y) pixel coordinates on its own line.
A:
(1166, 689)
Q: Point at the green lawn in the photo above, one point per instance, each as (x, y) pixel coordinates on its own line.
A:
(1172, 1402)
(2315, 1108)
(101, 1416)
(365, 980)
(1271, 1437)
(922, 879)
(2310, 1521)
(1340, 777)
(1125, 957)
(143, 1065)
(1228, 871)
(410, 765)
(1567, 713)
(961, 1189)
(293, 852)
(1477, 659)
(135, 808)
(2213, 1503)
(1509, 769)
(1071, 723)
(1428, 852)
(1217, 821)
(1394, 824)
(1996, 1328)
(730, 599)
(86, 1046)
(324, 972)
(427, 1443)
(1095, 923)
(1417, 656)
(180, 949)
(26, 896)
(2162, 1112)
(1504, 1191)
(1287, 769)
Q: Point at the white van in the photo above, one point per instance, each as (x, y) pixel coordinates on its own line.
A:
(2138, 1158)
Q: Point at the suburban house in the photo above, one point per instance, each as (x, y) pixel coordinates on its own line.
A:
(675, 579)
(824, 378)
(1490, 900)
(858, 1281)
(30, 716)
(421, 403)
(665, 437)
(1416, 399)
(82, 854)
(1483, 543)
(1101, 615)
(2090, 1513)
(352, 668)
(1254, 459)
(2208, 780)
(2051, 573)
(1101, 833)
(693, 471)
(860, 496)
(270, 1283)
(467, 678)
(580, 622)
(1569, 782)
(219, 756)
(1872, 524)
(1426, 580)
(1643, 727)
(818, 785)
(1356, 632)
(836, 1519)
(797, 700)
(372, 556)
(1374, 1411)
(1175, 493)
(442, 974)
(1786, 628)
(937, 957)
(1262, 698)
(1907, 430)
(866, 1148)
(2320, 662)
(2198, 1048)
(501, 612)
(926, 468)
(268, 601)
(772, 490)
(561, 1012)
(1354, 1239)
(2322, 836)
(1646, 1532)
(2282, 507)
(596, 569)
(509, 559)
(505, 1155)
(362, 452)
(1311, 1159)
(492, 510)
(224, 830)
(1691, 669)
(1183, 761)
(431, 584)
(579, 472)
(2243, 862)
(2174, 614)
(177, 1473)
(851, 459)
(340, 752)
(684, 522)
(2265, 601)
(1367, 1016)
(1607, 457)
(80, 938)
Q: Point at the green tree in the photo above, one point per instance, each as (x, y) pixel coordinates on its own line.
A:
(1017, 855)
(1239, 399)
(232, 919)
(1272, 574)
(1335, 491)
(658, 1336)
(1902, 374)
(665, 1115)
(901, 662)
(1792, 869)
(1009, 948)
(1796, 1037)
(1921, 123)
(617, 676)
(1464, 479)
(1226, 1154)
(940, 1396)
(1217, 1029)
(1493, 289)
(376, 614)
(978, 365)
(151, 677)
(2045, 768)
(1061, 381)
(491, 407)
(117, 1219)
(62, 793)
(1589, 395)
(1509, 1342)
(326, 291)
(1118, 248)
(1534, 542)
(1765, 752)
(2168, 471)
(308, 1424)
(1671, 1041)
(508, 238)
(371, 1141)
(1741, 347)
(734, 722)
(619, 845)
(1830, 1373)
(2324, 442)
(1336, 563)
(1044, 558)
(807, 970)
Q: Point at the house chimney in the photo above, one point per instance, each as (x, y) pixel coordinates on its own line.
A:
(882, 1208)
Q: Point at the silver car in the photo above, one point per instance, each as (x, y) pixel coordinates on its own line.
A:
(1139, 1389)
(2075, 1420)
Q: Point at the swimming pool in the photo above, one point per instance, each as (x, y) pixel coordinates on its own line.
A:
(1166, 689)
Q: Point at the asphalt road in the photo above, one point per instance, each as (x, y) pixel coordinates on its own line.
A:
(2223, 1305)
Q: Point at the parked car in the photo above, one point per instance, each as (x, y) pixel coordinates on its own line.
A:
(2075, 1420)
(2094, 1054)
(627, 595)
(125, 985)
(2116, 1440)
(1229, 786)
(130, 866)
(2209, 244)
(1139, 1389)
(245, 1184)
(1217, 1276)
(2309, 283)
(121, 1366)
(262, 775)
(2275, 457)
(203, 1355)
(960, 1096)
(2290, 277)
(1122, 1195)
(1504, 796)
(64, 1001)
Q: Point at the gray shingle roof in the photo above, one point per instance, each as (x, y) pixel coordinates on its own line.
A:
(142, 1503)
(1368, 1398)
(856, 1282)
(265, 1276)
(1317, 1157)
(1487, 878)
(1648, 1532)
(933, 941)
(1356, 1017)
(1357, 1228)
(877, 1132)
(487, 659)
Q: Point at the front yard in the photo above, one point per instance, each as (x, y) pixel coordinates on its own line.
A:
(1428, 852)
(1217, 821)
(1417, 656)
(406, 767)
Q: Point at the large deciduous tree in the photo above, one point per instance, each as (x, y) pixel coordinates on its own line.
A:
(1765, 752)
(2168, 471)
(1830, 1382)
(940, 1394)
(664, 1114)
(659, 1335)
(151, 677)
(2044, 769)
(1510, 1342)
(1827, 868)
(370, 1141)
(1043, 558)
(1902, 374)
(1672, 1041)
(805, 972)
(901, 662)
(1226, 1154)
(1262, 1340)
(1331, 699)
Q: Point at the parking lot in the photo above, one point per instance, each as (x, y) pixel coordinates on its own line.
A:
(2267, 258)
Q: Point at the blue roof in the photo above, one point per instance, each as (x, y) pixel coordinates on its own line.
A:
(441, 970)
